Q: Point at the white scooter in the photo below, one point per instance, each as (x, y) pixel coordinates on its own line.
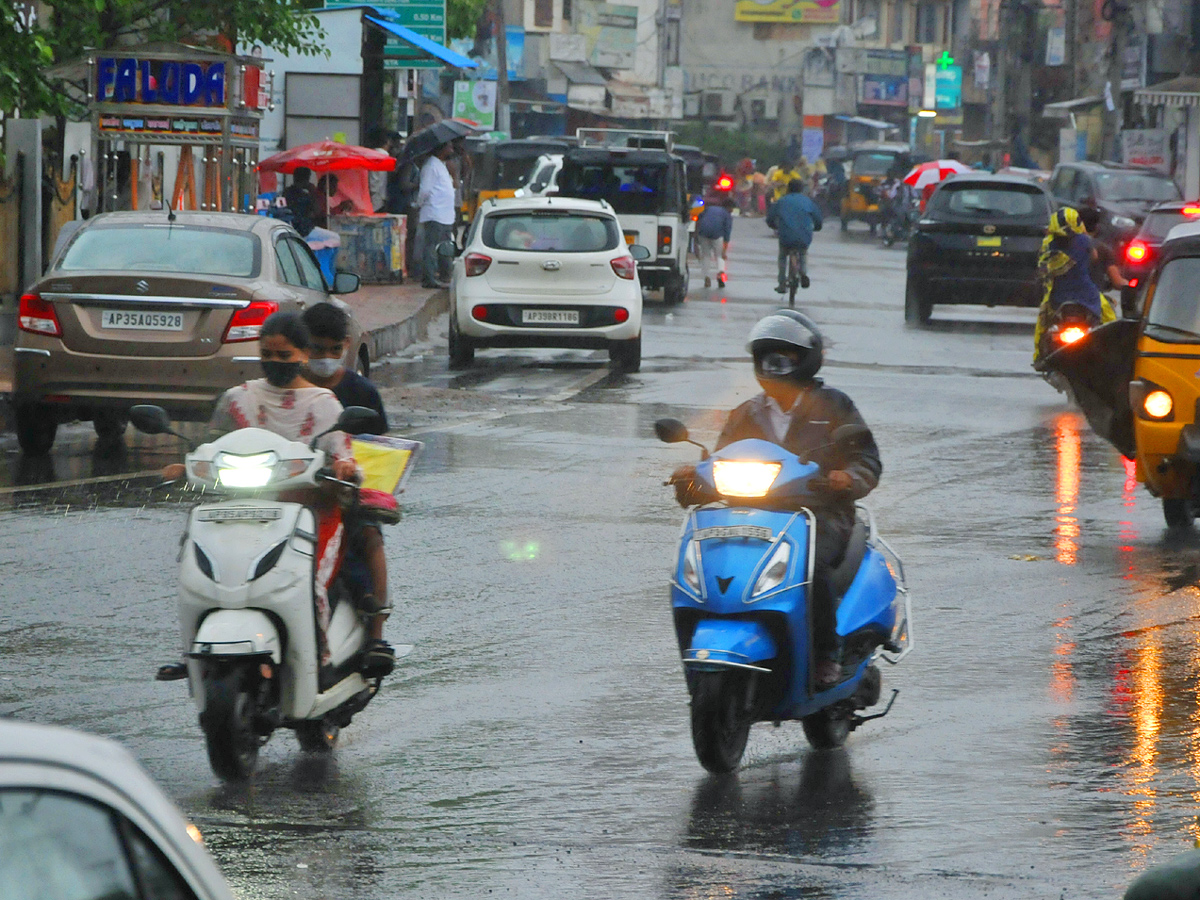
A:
(247, 604)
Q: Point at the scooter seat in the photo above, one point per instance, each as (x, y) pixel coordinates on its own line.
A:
(842, 576)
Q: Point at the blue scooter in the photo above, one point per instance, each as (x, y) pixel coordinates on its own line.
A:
(740, 597)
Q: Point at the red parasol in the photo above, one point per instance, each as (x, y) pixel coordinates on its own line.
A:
(328, 156)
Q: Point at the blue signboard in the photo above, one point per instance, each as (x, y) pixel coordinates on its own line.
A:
(160, 82)
(949, 88)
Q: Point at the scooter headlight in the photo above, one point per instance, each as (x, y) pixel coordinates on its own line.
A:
(775, 571)
(744, 478)
(691, 566)
(254, 471)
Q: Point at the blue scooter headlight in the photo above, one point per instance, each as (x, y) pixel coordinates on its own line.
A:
(776, 570)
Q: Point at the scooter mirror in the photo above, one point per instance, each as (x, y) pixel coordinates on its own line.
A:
(150, 419)
(849, 435)
(671, 431)
(357, 419)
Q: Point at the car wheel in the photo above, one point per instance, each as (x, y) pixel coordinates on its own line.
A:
(845, 223)
(675, 290)
(462, 353)
(626, 356)
(1179, 513)
(36, 428)
(917, 307)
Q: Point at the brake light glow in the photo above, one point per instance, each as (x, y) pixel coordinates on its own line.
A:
(1133, 282)
(625, 267)
(1136, 252)
(1072, 334)
(476, 264)
(724, 183)
(37, 316)
(1191, 210)
(247, 322)
(664, 239)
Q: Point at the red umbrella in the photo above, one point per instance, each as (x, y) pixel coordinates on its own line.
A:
(328, 156)
(933, 172)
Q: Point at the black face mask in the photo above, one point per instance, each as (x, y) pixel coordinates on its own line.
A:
(280, 374)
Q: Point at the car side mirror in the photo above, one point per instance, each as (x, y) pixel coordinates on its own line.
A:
(447, 250)
(638, 252)
(357, 419)
(149, 419)
(670, 431)
(345, 283)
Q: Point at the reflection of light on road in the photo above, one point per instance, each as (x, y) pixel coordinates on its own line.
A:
(1062, 673)
(1146, 695)
(520, 552)
(1129, 535)
(1069, 454)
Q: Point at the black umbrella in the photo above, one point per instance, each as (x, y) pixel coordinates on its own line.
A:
(429, 139)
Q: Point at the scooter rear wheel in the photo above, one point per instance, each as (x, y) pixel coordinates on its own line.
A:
(228, 725)
(720, 723)
(827, 729)
(1179, 513)
(319, 736)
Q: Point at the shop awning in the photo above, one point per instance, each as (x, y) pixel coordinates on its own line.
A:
(1182, 91)
(429, 48)
(1064, 108)
(868, 123)
(579, 72)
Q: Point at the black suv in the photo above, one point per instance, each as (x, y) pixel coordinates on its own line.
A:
(977, 242)
(1123, 194)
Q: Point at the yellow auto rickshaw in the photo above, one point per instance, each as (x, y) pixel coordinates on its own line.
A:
(869, 163)
(1136, 380)
(504, 166)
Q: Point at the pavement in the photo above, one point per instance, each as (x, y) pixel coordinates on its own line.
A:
(393, 315)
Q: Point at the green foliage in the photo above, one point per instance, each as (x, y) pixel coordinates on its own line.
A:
(732, 146)
(462, 16)
(78, 25)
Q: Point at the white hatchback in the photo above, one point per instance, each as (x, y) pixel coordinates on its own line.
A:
(546, 272)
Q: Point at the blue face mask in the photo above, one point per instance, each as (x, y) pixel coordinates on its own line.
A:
(324, 368)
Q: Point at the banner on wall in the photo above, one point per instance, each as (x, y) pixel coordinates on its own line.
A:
(824, 12)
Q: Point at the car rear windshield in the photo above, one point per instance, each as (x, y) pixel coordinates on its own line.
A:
(1120, 186)
(874, 163)
(561, 232)
(163, 248)
(630, 189)
(1157, 224)
(1174, 311)
(990, 201)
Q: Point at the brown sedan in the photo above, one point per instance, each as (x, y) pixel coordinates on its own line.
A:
(136, 308)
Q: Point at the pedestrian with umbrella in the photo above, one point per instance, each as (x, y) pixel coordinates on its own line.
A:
(436, 212)
(925, 177)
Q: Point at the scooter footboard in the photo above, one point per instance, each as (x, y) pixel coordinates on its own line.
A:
(730, 643)
(237, 632)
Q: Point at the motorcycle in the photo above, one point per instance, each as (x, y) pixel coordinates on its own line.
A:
(1066, 326)
(904, 209)
(740, 598)
(255, 657)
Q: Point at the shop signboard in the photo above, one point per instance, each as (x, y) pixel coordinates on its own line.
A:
(610, 31)
(475, 101)
(160, 82)
(514, 55)
(948, 88)
(425, 17)
(1146, 147)
(804, 12)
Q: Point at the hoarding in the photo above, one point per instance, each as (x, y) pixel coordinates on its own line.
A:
(475, 101)
(610, 31)
(822, 12)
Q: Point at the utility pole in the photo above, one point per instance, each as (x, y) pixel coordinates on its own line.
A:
(501, 38)
(1117, 13)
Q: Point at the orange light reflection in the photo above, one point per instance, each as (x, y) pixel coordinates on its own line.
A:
(1069, 458)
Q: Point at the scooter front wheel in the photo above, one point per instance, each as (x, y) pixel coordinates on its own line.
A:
(720, 722)
(827, 729)
(317, 736)
(228, 725)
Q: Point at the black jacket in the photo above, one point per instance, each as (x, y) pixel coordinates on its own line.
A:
(816, 415)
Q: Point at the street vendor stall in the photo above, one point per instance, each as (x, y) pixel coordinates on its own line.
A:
(170, 123)
(354, 236)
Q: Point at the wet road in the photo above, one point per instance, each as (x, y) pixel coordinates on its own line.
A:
(1046, 742)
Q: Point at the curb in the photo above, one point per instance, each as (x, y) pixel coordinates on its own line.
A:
(396, 336)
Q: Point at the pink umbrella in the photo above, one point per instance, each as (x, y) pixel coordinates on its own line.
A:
(328, 156)
(932, 172)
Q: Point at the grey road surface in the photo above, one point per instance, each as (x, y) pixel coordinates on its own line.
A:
(1046, 741)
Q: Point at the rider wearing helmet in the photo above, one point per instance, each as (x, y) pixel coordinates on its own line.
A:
(797, 411)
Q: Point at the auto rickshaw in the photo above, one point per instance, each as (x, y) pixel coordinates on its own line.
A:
(869, 164)
(505, 166)
(1136, 380)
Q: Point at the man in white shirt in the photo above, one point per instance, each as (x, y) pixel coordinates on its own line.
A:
(435, 202)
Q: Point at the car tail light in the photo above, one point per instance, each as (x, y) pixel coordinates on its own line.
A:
(1133, 282)
(37, 316)
(664, 239)
(479, 313)
(247, 322)
(620, 314)
(1136, 252)
(724, 183)
(625, 267)
(476, 264)
(1191, 210)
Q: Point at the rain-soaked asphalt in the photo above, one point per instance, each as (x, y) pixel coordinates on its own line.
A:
(1046, 741)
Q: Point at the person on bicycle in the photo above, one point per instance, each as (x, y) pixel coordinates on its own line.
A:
(794, 219)
(797, 411)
